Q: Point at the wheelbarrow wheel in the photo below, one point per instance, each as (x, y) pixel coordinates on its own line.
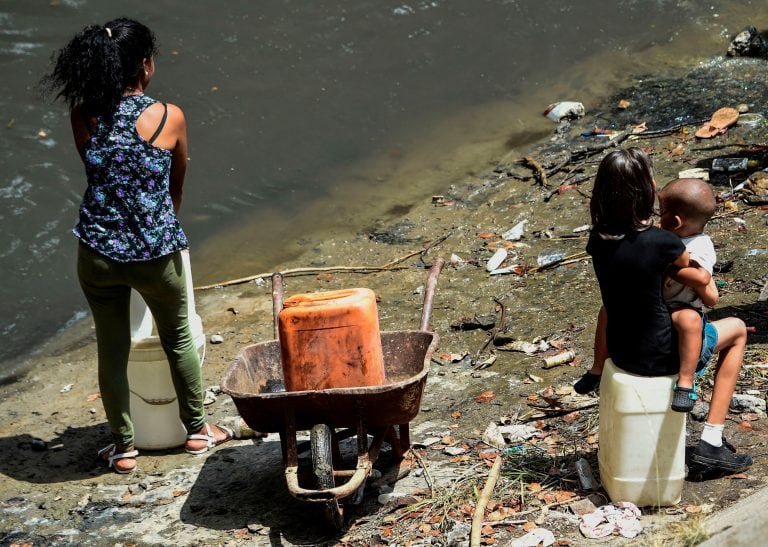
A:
(322, 467)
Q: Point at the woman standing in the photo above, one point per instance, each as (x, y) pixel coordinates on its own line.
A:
(134, 149)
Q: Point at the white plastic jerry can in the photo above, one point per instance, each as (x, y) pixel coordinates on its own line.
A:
(641, 452)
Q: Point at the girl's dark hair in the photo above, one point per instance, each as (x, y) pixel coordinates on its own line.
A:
(92, 71)
(623, 196)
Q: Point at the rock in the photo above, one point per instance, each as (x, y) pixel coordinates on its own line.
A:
(216, 339)
(748, 403)
(748, 43)
(700, 411)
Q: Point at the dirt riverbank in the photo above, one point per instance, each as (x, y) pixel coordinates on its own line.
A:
(53, 491)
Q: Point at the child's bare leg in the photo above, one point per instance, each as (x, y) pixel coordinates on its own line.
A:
(591, 379)
(712, 452)
(687, 322)
(731, 341)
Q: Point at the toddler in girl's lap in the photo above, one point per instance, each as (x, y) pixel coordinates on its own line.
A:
(634, 327)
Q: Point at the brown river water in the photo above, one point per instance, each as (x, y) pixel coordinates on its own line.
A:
(313, 117)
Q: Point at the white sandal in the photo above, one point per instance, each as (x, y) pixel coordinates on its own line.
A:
(111, 458)
(209, 439)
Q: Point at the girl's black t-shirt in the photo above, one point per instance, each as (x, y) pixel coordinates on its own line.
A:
(631, 273)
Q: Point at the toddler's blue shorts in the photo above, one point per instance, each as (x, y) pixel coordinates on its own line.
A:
(708, 344)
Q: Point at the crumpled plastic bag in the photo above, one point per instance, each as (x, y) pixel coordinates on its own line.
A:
(537, 536)
(622, 517)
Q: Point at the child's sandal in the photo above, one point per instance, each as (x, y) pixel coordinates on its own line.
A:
(683, 398)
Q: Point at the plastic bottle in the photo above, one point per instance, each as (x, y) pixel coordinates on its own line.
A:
(733, 165)
(641, 452)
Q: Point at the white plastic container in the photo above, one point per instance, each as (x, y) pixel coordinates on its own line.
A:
(154, 408)
(642, 441)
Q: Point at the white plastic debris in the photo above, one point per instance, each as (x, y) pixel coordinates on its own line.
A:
(622, 517)
(517, 432)
(495, 261)
(584, 228)
(564, 109)
(537, 536)
(67, 388)
(456, 259)
(216, 339)
(516, 232)
(695, 173)
(493, 437)
(514, 268)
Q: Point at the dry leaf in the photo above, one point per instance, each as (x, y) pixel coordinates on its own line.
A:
(745, 426)
(571, 417)
(425, 528)
(460, 459)
(563, 495)
(533, 486)
(486, 235)
(241, 533)
(456, 414)
(591, 439)
(623, 104)
(528, 526)
(386, 532)
(485, 397)
(177, 493)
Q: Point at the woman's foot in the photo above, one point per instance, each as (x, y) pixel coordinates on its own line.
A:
(206, 438)
(588, 382)
(122, 462)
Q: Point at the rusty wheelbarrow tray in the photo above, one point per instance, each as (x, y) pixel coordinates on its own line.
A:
(382, 411)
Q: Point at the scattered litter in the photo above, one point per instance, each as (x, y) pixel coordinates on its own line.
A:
(456, 259)
(622, 517)
(216, 339)
(517, 269)
(732, 165)
(67, 388)
(516, 232)
(534, 538)
(559, 359)
(492, 436)
(517, 432)
(695, 173)
(550, 257)
(582, 507)
(721, 120)
(584, 471)
(210, 397)
(495, 261)
(580, 229)
(623, 104)
(564, 109)
(519, 345)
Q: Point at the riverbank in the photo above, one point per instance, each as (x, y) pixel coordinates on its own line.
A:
(53, 491)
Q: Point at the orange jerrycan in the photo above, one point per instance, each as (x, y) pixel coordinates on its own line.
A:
(331, 340)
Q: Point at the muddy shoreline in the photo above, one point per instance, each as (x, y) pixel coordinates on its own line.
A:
(53, 491)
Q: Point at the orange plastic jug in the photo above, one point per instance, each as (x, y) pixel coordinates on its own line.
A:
(331, 340)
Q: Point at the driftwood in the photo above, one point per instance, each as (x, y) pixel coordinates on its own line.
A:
(393, 265)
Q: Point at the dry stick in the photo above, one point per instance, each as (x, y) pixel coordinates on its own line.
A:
(427, 476)
(356, 269)
(482, 502)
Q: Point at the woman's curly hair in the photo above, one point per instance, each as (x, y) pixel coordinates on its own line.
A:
(93, 70)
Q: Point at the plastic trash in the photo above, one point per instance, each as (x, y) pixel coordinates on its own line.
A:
(559, 359)
(733, 165)
(584, 471)
(516, 232)
(549, 257)
(537, 536)
(495, 261)
(622, 517)
(564, 109)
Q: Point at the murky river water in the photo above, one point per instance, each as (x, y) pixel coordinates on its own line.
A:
(308, 117)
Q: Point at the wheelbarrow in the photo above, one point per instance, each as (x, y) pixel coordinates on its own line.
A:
(330, 415)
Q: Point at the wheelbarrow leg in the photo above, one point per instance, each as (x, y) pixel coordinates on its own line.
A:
(322, 439)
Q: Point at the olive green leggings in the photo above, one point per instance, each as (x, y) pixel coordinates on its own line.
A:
(107, 286)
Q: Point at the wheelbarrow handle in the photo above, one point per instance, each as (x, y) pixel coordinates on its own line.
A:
(277, 301)
(429, 293)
